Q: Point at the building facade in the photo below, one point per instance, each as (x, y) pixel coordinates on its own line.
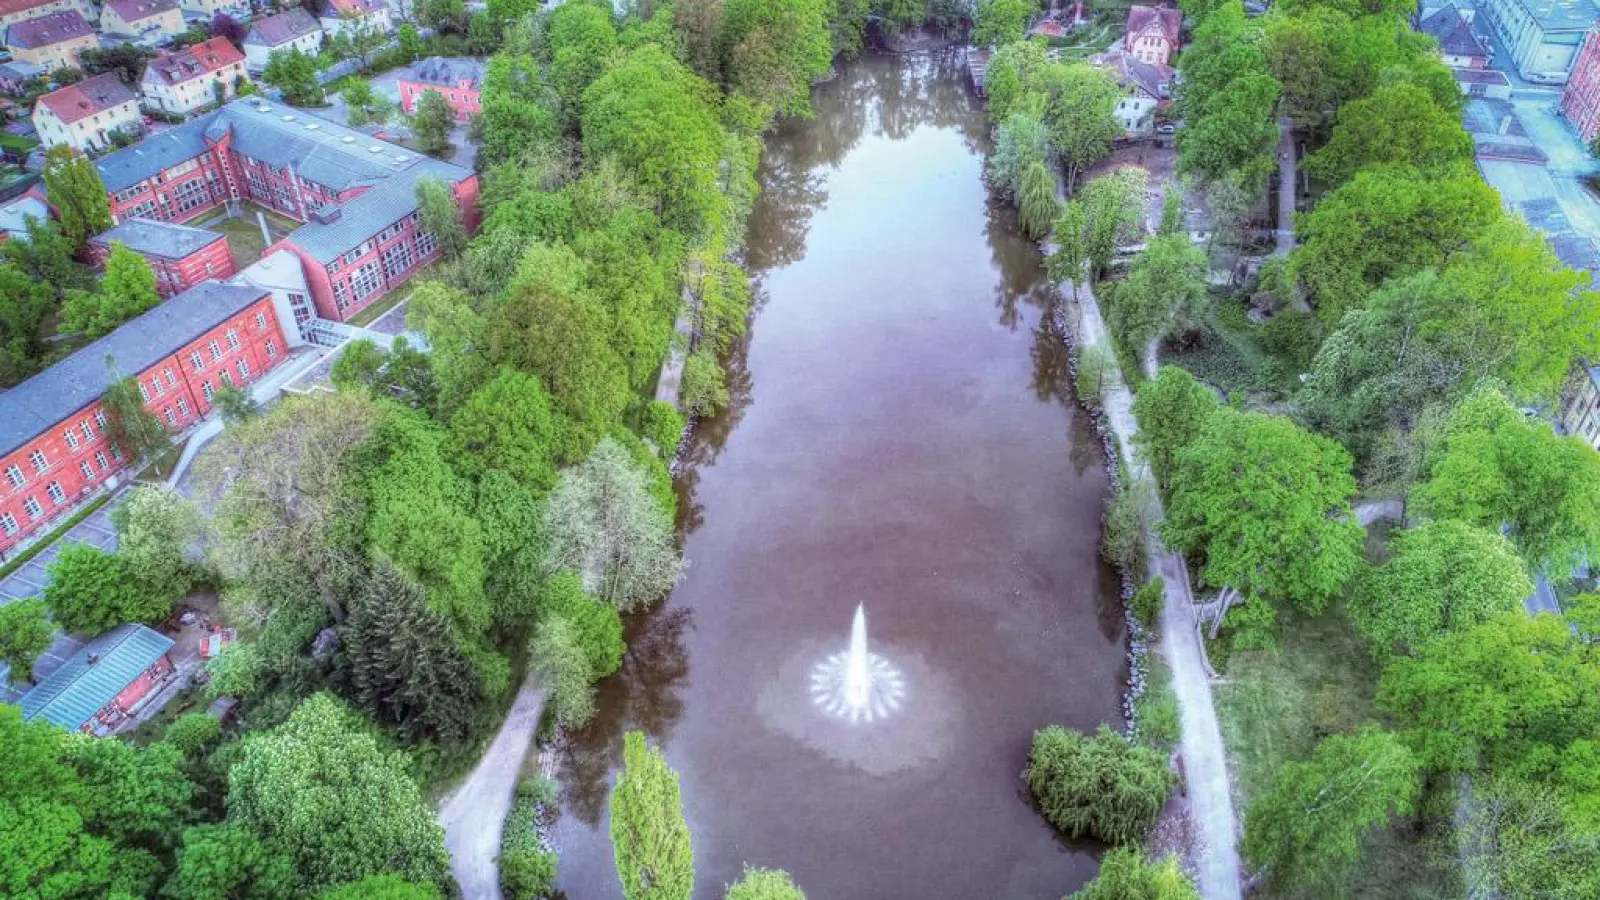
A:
(292, 29)
(355, 16)
(1579, 413)
(55, 450)
(1147, 87)
(85, 115)
(1580, 102)
(181, 257)
(52, 41)
(1542, 36)
(1153, 35)
(1459, 45)
(354, 195)
(150, 21)
(189, 79)
(458, 81)
(14, 11)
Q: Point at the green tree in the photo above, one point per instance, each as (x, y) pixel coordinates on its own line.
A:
(90, 592)
(295, 74)
(1510, 692)
(1000, 22)
(1113, 213)
(508, 425)
(603, 524)
(1441, 576)
(1266, 504)
(1036, 200)
(597, 626)
(132, 428)
(439, 214)
(773, 50)
(431, 124)
(156, 526)
(556, 653)
(764, 884)
(1071, 237)
(365, 106)
(583, 40)
(48, 256)
(77, 193)
(400, 661)
(225, 860)
(235, 405)
(192, 733)
(1082, 117)
(127, 289)
(25, 632)
(1126, 875)
(320, 790)
(382, 887)
(1171, 409)
(1236, 134)
(1019, 141)
(24, 303)
(1494, 467)
(1519, 839)
(1398, 123)
(1165, 283)
(1307, 832)
(654, 858)
(1101, 785)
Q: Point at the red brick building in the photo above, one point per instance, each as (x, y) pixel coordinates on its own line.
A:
(54, 449)
(458, 80)
(180, 256)
(1580, 102)
(104, 683)
(354, 194)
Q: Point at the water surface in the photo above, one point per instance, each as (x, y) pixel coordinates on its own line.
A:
(901, 435)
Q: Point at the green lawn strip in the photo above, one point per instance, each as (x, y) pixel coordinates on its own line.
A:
(39, 546)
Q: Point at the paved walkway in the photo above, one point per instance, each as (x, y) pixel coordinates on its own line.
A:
(1205, 763)
(474, 815)
(1284, 236)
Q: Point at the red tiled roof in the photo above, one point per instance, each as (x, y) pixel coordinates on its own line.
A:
(7, 7)
(51, 29)
(193, 62)
(349, 8)
(87, 97)
(134, 10)
(1169, 21)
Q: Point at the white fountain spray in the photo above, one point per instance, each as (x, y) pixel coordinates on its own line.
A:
(857, 684)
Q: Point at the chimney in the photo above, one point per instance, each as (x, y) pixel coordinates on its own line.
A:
(93, 658)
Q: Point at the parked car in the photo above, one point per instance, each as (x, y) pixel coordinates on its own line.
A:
(1166, 128)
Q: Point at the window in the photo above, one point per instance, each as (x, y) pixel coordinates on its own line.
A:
(233, 339)
(191, 194)
(183, 407)
(156, 383)
(171, 419)
(144, 392)
(57, 495)
(87, 470)
(87, 429)
(40, 464)
(71, 438)
(116, 453)
(261, 320)
(33, 508)
(226, 378)
(8, 523)
(197, 361)
(272, 349)
(171, 382)
(244, 369)
(15, 476)
(397, 260)
(425, 244)
(100, 417)
(365, 282)
(341, 294)
(216, 350)
(206, 390)
(100, 460)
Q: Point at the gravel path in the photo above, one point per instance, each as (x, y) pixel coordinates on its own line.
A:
(475, 814)
(1205, 763)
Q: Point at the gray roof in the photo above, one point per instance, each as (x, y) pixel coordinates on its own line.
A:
(1454, 33)
(448, 71)
(1561, 15)
(49, 29)
(152, 237)
(275, 31)
(14, 215)
(38, 404)
(72, 694)
(21, 70)
(162, 150)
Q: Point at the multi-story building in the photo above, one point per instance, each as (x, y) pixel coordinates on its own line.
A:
(54, 446)
(180, 256)
(292, 29)
(189, 79)
(84, 115)
(1459, 45)
(355, 16)
(1542, 36)
(458, 80)
(1580, 102)
(1146, 86)
(14, 11)
(150, 22)
(1153, 35)
(52, 41)
(354, 194)
(1579, 413)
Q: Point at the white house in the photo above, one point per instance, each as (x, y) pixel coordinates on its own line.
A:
(355, 16)
(191, 78)
(292, 29)
(84, 115)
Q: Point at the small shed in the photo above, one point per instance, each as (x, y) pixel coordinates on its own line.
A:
(97, 689)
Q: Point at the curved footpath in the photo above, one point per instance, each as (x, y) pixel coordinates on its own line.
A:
(1205, 764)
(475, 814)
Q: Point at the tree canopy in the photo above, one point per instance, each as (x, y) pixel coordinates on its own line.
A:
(654, 858)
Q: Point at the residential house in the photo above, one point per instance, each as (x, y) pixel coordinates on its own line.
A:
(15, 76)
(1541, 36)
(180, 256)
(1491, 83)
(206, 10)
(1147, 87)
(14, 11)
(1580, 102)
(53, 41)
(458, 80)
(355, 195)
(1579, 412)
(354, 17)
(54, 449)
(1459, 45)
(186, 80)
(84, 115)
(104, 683)
(14, 215)
(292, 29)
(1153, 34)
(150, 22)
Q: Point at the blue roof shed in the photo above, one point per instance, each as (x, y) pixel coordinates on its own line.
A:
(95, 676)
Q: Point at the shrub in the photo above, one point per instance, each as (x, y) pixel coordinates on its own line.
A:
(1101, 785)
(1155, 713)
(663, 426)
(191, 732)
(1148, 600)
(1291, 336)
(1122, 542)
(527, 867)
(1093, 361)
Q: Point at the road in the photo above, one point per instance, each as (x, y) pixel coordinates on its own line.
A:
(1283, 237)
(474, 815)
(1205, 765)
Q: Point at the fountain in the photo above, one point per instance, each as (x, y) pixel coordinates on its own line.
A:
(857, 685)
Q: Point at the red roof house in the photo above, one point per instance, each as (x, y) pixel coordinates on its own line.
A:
(1154, 35)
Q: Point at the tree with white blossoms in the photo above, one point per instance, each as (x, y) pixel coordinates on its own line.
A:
(604, 525)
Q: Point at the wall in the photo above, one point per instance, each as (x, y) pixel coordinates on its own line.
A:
(113, 713)
(466, 101)
(174, 276)
(1580, 102)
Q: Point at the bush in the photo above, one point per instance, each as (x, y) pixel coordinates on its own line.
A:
(1291, 336)
(191, 732)
(527, 867)
(1104, 785)
(1093, 361)
(1148, 600)
(1122, 542)
(1155, 713)
(663, 426)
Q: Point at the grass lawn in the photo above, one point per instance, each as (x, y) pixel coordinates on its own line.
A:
(1092, 38)
(244, 233)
